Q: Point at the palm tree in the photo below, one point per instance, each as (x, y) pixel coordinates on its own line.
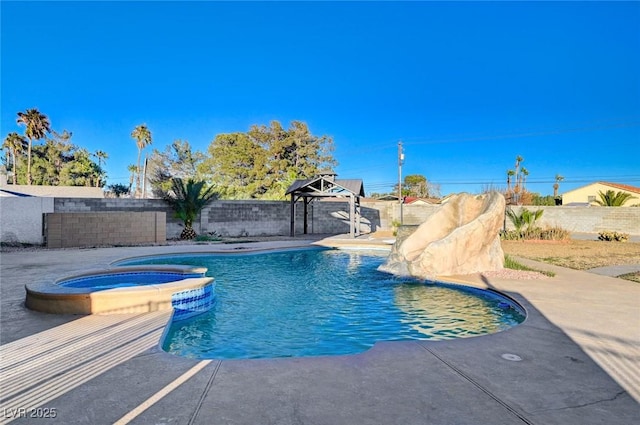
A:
(525, 173)
(102, 156)
(133, 170)
(187, 200)
(15, 143)
(510, 173)
(613, 199)
(519, 159)
(37, 126)
(142, 136)
(525, 220)
(556, 185)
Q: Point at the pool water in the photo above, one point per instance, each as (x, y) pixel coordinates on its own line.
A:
(123, 280)
(324, 302)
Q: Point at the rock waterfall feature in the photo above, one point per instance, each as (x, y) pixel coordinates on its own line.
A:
(461, 237)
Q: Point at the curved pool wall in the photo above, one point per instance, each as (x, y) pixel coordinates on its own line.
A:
(126, 289)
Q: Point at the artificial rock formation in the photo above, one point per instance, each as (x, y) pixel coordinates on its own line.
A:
(461, 237)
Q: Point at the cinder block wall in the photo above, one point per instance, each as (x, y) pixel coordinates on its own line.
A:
(271, 218)
(85, 229)
(238, 218)
(588, 219)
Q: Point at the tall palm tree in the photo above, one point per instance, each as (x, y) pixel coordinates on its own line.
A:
(133, 170)
(187, 200)
(142, 136)
(510, 174)
(525, 173)
(102, 156)
(15, 143)
(613, 199)
(556, 185)
(37, 125)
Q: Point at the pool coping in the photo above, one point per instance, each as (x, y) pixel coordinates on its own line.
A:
(52, 297)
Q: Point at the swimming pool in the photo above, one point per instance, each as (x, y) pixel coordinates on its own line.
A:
(314, 302)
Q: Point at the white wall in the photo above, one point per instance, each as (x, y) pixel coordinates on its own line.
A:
(21, 218)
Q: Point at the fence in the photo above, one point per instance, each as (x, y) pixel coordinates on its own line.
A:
(22, 218)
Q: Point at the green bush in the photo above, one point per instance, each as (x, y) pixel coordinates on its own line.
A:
(613, 236)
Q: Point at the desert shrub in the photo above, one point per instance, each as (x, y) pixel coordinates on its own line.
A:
(395, 224)
(554, 234)
(536, 233)
(613, 236)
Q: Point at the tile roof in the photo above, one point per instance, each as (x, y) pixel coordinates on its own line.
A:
(626, 187)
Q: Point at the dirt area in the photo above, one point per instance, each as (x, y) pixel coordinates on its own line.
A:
(576, 254)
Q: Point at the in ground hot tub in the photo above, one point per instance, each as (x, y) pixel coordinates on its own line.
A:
(126, 289)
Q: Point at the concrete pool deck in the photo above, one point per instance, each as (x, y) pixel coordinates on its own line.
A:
(578, 351)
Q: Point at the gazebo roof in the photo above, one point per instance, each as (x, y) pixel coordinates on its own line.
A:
(326, 185)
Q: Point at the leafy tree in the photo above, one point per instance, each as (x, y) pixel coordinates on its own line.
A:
(118, 189)
(294, 149)
(261, 162)
(142, 136)
(15, 144)
(177, 160)
(187, 200)
(417, 185)
(611, 198)
(60, 162)
(37, 125)
(236, 165)
(538, 200)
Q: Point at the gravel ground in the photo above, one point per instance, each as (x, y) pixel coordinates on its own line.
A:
(576, 254)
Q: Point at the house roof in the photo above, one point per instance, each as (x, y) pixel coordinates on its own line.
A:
(10, 193)
(626, 187)
(617, 186)
(415, 199)
(46, 191)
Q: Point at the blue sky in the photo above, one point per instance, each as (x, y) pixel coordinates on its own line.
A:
(465, 86)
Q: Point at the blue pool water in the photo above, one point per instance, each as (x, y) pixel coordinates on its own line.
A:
(122, 280)
(324, 302)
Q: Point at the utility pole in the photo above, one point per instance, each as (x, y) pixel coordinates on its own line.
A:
(400, 162)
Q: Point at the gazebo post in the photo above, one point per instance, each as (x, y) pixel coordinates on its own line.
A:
(352, 213)
(306, 226)
(293, 215)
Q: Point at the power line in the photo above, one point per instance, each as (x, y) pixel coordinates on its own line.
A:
(425, 140)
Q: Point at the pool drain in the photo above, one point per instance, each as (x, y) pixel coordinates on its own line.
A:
(511, 357)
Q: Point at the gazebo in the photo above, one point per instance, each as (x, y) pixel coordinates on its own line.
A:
(325, 185)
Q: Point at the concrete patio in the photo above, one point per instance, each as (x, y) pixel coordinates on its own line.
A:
(575, 360)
